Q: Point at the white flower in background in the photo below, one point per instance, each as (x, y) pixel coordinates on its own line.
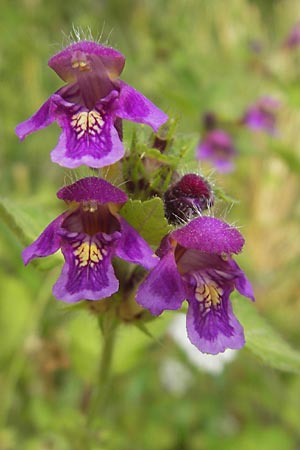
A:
(213, 364)
(174, 376)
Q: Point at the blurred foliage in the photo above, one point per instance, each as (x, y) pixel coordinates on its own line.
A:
(189, 57)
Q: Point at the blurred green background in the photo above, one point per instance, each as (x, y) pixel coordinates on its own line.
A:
(189, 57)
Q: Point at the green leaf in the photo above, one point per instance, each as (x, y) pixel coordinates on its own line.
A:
(26, 221)
(263, 340)
(147, 218)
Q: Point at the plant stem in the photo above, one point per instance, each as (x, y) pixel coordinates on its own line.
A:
(98, 402)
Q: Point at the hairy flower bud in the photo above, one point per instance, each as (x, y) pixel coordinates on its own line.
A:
(187, 198)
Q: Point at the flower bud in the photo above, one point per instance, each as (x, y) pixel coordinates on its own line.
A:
(188, 197)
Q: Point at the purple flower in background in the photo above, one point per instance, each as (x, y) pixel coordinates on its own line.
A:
(217, 147)
(262, 115)
(90, 106)
(196, 265)
(90, 234)
(293, 39)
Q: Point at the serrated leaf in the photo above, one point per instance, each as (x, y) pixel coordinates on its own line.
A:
(263, 340)
(147, 218)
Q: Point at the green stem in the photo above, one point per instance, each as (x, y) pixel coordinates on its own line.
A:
(98, 402)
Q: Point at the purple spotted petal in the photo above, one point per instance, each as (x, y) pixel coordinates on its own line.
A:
(133, 248)
(41, 119)
(93, 56)
(92, 188)
(88, 137)
(209, 235)
(214, 331)
(163, 287)
(47, 243)
(134, 106)
(87, 272)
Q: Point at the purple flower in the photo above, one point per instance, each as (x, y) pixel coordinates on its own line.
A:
(262, 115)
(293, 39)
(89, 107)
(196, 265)
(217, 147)
(90, 233)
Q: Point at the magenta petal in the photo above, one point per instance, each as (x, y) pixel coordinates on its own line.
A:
(47, 243)
(134, 106)
(90, 281)
(213, 333)
(96, 56)
(133, 248)
(163, 288)
(209, 235)
(92, 189)
(41, 119)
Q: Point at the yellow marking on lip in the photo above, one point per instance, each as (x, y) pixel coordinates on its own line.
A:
(87, 253)
(208, 294)
(87, 121)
